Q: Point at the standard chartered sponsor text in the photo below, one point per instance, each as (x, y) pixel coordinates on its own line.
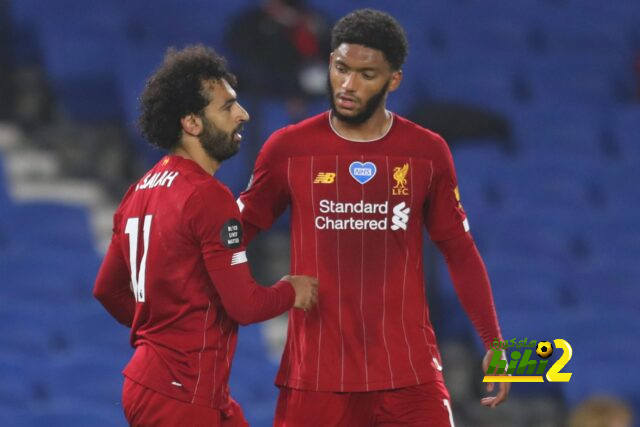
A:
(329, 206)
(326, 223)
(368, 216)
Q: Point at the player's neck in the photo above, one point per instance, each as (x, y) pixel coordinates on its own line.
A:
(375, 128)
(192, 150)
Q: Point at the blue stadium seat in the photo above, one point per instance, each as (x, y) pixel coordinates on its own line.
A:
(568, 30)
(602, 378)
(541, 163)
(625, 127)
(606, 284)
(489, 33)
(57, 225)
(625, 14)
(473, 79)
(179, 24)
(452, 322)
(92, 379)
(112, 335)
(80, 59)
(560, 130)
(137, 60)
(531, 322)
(482, 160)
(588, 79)
(24, 335)
(69, 412)
(25, 50)
(274, 115)
(60, 275)
(619, 189)
(531, 220)
(252, 377)
(19, 384)
(335, 9)
(521, 291)
(614, 234)
(527, 191)
(478, 165)
(415, 78)
(12, 416)
(507, 267)
(62, 328)
(610, 327)
(4, 186)
(506, 234)
(29, 283)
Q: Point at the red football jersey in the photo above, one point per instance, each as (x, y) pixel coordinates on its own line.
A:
(178, 241)
(358, 209)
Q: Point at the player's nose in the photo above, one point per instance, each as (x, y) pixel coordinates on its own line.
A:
(349, 82)
(243, 115)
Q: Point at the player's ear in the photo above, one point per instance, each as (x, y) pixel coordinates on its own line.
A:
(191, 124)
(396, 79)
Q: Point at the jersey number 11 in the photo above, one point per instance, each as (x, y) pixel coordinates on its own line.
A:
(137, 278)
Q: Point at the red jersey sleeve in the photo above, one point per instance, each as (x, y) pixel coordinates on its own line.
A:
(267, 195)
(112, 286)
(214, 220)
(443, 213)
(472, 285)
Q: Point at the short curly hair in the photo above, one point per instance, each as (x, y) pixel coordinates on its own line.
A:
(176, 90)
(375, 29)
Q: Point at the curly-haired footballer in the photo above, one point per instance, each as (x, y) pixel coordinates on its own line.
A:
(176, 271)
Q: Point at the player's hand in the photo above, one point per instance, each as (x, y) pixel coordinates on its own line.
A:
(503, 388)
(306, 289)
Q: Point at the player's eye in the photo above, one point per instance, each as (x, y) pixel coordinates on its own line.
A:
(369, 76)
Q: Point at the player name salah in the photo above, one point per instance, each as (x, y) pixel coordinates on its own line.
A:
(157, 179)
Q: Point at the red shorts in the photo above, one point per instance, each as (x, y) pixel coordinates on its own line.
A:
(145, 407)
(420, 405)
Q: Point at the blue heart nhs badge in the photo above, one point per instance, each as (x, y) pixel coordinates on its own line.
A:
(362, 172)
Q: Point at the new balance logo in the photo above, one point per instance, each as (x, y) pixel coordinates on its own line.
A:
(400, 216)
(325, 178)
(239, 258)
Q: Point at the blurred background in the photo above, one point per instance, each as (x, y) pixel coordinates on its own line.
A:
(539, 100)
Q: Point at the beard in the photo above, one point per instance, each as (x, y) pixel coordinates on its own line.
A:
(218, 144)
(370, 106)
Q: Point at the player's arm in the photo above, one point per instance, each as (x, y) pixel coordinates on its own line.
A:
(267, 194)
(449, 229)
(214, 221)
(471, 282)
(245, 301)
(112, 286)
